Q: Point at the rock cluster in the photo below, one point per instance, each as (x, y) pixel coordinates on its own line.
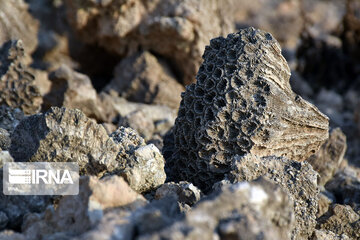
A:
(242, 103)
(255, 214)
(100, 84)
(65, 135)
(124, 26)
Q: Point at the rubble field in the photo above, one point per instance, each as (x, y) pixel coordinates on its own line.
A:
(188, 119)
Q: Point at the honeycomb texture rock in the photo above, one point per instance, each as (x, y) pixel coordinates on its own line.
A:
(297, 179)
(241, 103)
(125, 26)
(17, 88)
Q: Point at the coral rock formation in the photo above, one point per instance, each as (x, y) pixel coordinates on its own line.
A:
(123, 26)
(17, 88)
(242, 103)
(143, 78)
(64, 135)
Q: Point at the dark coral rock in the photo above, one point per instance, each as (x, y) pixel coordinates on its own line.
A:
(242, 102)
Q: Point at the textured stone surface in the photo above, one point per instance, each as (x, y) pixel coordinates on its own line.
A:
(78, 213)
(144, 164)
(341, 219)
(10, 117)
(297, 179)
(5, 157)
(5, 140)
(123, 26)
(143, 78)
(327, 160)
(246, 210)
(17, 23)
(242, 103)
(17, 88)
(65, 135)
(184, 192)
(74, 90)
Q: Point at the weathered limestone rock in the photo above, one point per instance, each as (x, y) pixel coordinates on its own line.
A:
(327, 160)
(184, 192)
(246, 210)
(65, 135)
(341, 219)
(242, 103)
(74, 90)
(17, 23)
(17, 88)
(144, 164)
(123, 26)
(78, 213)
(297, 179)
(143, 78)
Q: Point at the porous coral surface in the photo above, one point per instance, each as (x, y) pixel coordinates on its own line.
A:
(242, 102)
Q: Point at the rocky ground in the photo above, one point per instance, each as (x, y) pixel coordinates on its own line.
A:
(189, 119)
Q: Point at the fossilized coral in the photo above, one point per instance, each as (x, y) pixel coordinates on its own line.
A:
(242, 102)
